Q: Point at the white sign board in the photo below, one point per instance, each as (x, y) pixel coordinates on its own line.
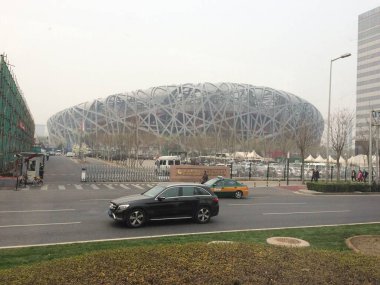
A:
(376, 117)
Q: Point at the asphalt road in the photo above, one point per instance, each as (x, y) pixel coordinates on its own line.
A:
(65, 210)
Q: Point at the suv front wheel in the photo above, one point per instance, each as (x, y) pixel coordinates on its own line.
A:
(135, 218)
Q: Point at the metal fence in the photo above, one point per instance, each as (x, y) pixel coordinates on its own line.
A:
(280, 171)
(111, 173)
(271, 171)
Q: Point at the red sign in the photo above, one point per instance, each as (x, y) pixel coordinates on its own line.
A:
(21, 125)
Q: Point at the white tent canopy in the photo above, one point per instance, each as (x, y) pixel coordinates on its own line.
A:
(319, 158)
(360, 160)
(310, 158)
(331, 159)
(247, 155)
(254, 155)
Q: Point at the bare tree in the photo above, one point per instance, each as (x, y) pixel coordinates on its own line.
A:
(305, 139)
(340, 129)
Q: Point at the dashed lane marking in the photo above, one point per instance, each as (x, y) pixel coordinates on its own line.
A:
(35, 211)
(109, 186)
(36, 225)
(316, 212)
(45, 187)
(93, 186)
(61, 187)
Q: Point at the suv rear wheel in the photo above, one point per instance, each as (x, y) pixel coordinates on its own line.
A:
(203, 215)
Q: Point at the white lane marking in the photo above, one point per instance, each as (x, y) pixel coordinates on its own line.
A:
(186, 234)
(150, 185)
(266, 204)
(109, 186)
(125, 187)
(78, 186)
(138, 186)
(93, 186)
(44, 187)
(37, 225)
(316, 212)
(61, 187)
(96, 200)
(34, 211)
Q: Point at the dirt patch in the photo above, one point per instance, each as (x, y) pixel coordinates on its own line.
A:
(366, 244)
(287, 241)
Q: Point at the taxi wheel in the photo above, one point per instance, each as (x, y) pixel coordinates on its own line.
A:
(238, 194)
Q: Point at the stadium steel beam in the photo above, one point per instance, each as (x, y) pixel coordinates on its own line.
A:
(192, 109)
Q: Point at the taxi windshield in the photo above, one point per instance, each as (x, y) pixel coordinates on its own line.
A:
(212, 181)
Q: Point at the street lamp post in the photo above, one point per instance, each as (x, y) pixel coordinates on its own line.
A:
(328, 115)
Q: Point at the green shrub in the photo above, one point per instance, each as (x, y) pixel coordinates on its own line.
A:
(338, 187)
(200, 263)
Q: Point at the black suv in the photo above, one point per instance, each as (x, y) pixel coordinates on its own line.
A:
(166, 201)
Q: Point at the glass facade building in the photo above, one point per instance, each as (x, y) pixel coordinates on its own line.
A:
(188, 110)
(368, 74)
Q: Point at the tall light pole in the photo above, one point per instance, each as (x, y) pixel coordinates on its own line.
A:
(328, 116)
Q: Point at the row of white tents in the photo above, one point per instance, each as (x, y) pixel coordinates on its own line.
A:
(358, 160)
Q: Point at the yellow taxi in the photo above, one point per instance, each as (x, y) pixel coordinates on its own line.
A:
(225, 187)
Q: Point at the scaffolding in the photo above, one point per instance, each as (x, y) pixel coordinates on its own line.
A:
(16, 121)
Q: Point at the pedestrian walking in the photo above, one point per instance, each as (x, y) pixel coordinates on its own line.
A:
(204, 177)
(353, 175)
(360, 176)
(312, 175)
(365, 175)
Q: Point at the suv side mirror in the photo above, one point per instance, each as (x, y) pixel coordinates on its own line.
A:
(160, 198)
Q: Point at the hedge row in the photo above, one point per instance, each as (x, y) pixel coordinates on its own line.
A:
(229, 264)
(333, 187)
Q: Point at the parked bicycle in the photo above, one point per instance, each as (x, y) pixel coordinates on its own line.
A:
(36, 181)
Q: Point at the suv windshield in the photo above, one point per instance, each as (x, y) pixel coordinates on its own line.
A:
(154, 191)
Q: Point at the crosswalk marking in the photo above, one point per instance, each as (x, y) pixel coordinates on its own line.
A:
(138, 186)
(125, 186)
(86, 186)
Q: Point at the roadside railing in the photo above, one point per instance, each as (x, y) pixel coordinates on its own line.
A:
(111, 173)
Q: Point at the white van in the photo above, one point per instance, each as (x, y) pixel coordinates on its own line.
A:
(163, 163)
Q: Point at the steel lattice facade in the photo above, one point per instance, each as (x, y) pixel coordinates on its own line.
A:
(190, 109)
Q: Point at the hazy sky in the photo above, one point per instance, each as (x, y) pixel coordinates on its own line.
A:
(68, 52)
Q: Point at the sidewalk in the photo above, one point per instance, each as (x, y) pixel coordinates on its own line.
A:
(293, 185)
(7, 183)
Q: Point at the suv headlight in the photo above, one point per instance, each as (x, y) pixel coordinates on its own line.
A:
(123, 207)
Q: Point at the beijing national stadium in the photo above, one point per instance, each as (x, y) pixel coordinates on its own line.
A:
(189, 110)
